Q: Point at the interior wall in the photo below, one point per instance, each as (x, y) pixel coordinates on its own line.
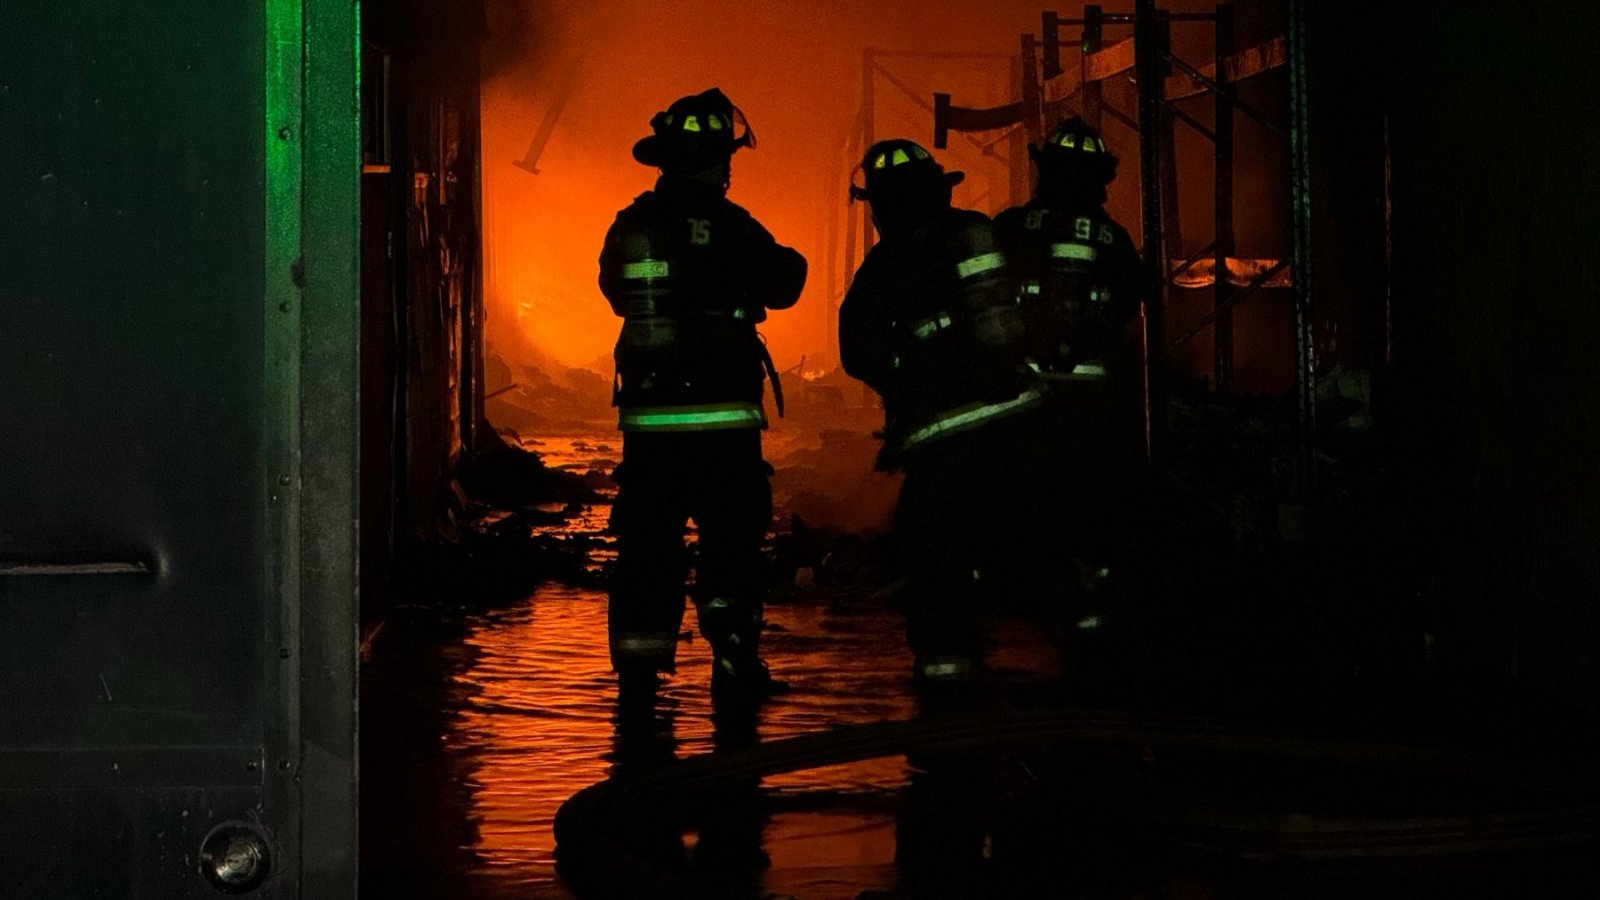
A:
(1497, 307)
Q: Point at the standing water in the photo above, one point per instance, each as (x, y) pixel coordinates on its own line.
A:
(482, 714)
(481, 719)
(527, 717)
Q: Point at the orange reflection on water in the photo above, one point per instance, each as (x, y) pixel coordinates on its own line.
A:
(535, 725)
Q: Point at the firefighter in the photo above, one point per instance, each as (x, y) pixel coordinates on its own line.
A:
(1082, 281)
(692, 274)
(1082, 284)
(931, 323)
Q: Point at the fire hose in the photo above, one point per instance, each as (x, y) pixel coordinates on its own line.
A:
(586, 826)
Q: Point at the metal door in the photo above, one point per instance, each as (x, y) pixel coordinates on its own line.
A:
(178, 356)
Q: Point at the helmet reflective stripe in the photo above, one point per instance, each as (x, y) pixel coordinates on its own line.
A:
(1093, 370)
(691, 123)
(646, 268)
(1074, 251)
(978, 265)
(1089, 144)
(718, 603)
(707, 417)
(969, 417)
(645, 643)
(931, 326)
(899, 156)
(716, 122)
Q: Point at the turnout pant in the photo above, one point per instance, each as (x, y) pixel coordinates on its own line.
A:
(1099, 437)
(719, 480)
(970, 517)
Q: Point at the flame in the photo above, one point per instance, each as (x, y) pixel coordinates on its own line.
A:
(588, 77)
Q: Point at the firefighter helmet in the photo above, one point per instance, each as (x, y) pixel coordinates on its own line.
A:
(1074, 144)
(695, 133)
(899, 165)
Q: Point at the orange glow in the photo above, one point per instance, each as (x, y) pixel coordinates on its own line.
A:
(794, 70)
(533, 722)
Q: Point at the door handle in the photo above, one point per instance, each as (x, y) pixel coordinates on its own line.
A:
(82, 567)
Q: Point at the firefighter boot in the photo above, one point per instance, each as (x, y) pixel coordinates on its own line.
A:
(637, 683)
(639, 658)
(738, 676)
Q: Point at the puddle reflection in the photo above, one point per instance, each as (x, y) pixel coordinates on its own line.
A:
(536, 722)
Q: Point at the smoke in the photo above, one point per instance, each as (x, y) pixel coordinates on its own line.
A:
(575, 83)
(794, 68)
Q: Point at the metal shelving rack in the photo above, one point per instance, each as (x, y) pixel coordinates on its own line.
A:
(1164, 80)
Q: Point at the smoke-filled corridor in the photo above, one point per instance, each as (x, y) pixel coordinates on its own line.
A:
(742, 450)
(523, 703)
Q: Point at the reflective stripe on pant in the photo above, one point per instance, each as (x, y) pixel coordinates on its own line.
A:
(719, 480)
(945, 668)
(655, 647)
(967, 516)
(1084, 371)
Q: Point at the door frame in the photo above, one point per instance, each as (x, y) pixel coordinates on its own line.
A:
(313, 298)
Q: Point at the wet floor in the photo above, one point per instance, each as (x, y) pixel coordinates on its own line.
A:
(513, 706)
(480, 723)
(484, 713)
(514, 703)
(536, 724)
(530, 719)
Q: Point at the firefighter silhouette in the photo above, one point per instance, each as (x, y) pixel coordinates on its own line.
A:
(931, 323)
(1081, 286)
(692, 274)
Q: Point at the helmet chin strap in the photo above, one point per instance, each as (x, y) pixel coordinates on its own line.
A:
(719, 175)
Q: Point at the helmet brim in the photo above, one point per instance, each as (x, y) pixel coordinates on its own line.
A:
(951, 179)
(1047, 154)
(650, 151)
(659, 151)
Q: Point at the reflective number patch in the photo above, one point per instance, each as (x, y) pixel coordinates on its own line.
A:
(700, 231)
(1035, 219)
(1106, 237)
(1082, 228)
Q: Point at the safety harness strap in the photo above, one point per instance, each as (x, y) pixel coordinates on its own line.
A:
(772, 375)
